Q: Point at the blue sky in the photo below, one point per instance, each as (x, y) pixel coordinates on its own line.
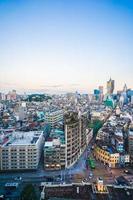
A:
(65, 45)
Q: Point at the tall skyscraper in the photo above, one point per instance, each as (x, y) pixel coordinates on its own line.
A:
(101, 96)
(124, 94)
(101, 89)
(125, 88)
(110, 86)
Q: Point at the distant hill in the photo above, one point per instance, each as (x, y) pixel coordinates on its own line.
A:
(37, 97)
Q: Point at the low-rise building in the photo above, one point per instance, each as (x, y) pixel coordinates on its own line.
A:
(109, 155)
(21, 150)
(54, 151)
(105, 154)
(52, 155)
(53, 117)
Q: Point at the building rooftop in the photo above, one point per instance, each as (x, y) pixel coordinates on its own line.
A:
(22, 138)
(54, 112)
(57, 133)
(86, 193)
(48, 144)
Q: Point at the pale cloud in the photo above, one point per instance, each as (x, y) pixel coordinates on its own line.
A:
(51, 86)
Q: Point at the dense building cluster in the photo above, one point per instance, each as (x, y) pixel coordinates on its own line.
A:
(113, 139)
(60, 127)
(61, 121)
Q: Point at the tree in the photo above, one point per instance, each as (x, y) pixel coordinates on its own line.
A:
(28, 193)
(97, 124)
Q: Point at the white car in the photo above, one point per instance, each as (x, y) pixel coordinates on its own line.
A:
(19, 178)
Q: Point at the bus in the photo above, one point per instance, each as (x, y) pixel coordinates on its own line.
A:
(91, 163)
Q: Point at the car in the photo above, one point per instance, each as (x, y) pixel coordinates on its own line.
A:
(127, 171)
(121, 181)
(85, 180)
(91, 174)
(92, 148)
(58, 179)
(18, 178)
(62, 183)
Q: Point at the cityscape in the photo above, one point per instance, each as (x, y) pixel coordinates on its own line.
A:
(73, 138)
(66, 100)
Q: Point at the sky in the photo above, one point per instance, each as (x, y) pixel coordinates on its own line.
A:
(65, 45)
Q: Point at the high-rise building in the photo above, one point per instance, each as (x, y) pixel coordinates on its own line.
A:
(125, 88)
(83, 131)
(132, 99)
(130, 95)
(75, 136)
(101, 89)
(72, 138)
(64, 147)
(22, 111)
(96, 94)
(101, 93)
(13, 95)
(110, 86)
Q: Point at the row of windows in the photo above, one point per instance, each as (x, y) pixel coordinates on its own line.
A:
(14, 150)
(20, 163)
(20, 167)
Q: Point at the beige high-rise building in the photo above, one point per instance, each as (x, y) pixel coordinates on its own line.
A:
(75, 137)
(110, 86)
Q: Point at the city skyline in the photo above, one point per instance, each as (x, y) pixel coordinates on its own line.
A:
(64, 45)
(52, 90)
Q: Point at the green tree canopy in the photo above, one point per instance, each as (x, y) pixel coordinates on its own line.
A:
(28, 193)
(95, 125)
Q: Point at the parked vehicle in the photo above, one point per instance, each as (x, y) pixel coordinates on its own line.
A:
(19, 178)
